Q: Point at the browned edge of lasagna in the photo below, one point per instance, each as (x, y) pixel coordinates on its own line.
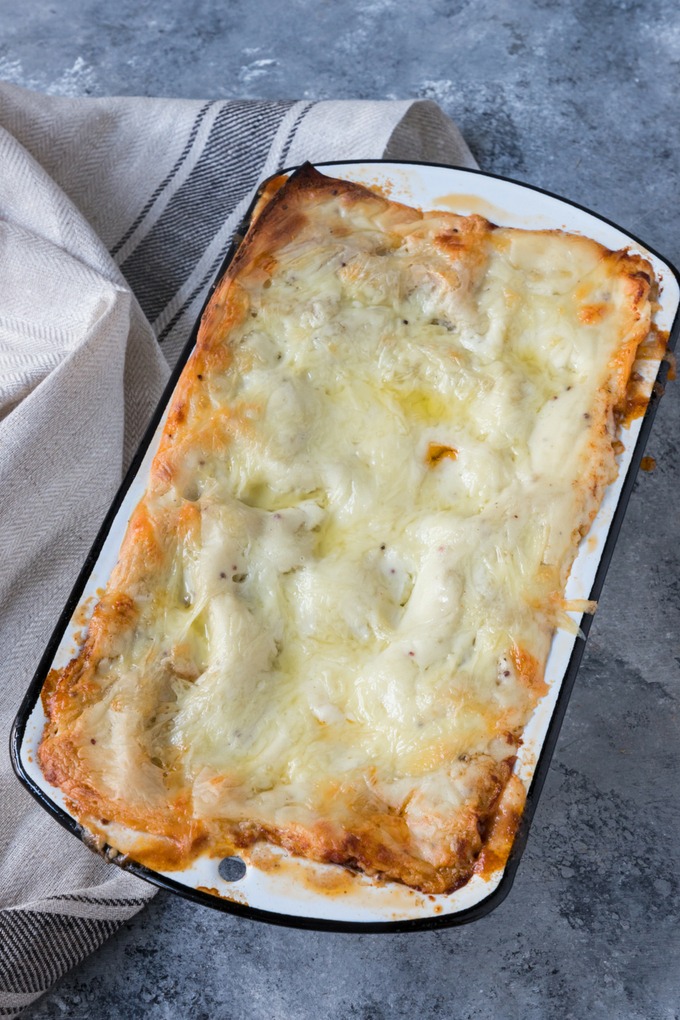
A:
(329, 620)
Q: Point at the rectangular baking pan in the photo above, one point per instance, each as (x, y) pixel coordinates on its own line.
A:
(300, 893)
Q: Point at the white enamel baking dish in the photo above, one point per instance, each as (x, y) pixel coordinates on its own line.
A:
(269, 885)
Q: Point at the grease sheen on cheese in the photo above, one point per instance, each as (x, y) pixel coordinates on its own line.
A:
(348, 624)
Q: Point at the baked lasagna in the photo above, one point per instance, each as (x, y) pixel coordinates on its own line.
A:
(330, 616)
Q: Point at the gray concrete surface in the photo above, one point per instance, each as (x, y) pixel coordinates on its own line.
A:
(580, 97)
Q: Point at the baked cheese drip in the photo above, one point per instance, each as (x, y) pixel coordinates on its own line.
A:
(331, 614)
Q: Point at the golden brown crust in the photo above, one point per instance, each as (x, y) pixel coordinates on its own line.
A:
(371, 836)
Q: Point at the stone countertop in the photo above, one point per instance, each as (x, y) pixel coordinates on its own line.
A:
(578, 98)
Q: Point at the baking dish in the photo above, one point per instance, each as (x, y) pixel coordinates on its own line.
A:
(296, 892)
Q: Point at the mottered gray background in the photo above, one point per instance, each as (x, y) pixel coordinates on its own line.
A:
(578, 97)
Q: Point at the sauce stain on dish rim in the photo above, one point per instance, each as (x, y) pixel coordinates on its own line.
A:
(334, 881)
(468, 204)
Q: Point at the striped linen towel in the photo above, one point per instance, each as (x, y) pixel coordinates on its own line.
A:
(115, 215)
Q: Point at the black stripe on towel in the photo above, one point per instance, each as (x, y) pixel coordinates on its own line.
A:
(168, 179)
(220, 258)
(227, 169)
(36, 949)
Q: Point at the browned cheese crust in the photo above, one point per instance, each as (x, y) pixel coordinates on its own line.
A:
(117, 766)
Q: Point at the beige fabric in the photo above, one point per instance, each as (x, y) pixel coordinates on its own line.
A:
(80, 373)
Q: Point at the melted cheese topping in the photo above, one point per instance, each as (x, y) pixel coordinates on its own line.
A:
(356, 538)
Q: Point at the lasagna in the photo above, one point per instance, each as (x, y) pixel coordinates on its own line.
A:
(331, 612)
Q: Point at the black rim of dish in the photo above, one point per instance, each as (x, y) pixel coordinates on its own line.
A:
(493, 899)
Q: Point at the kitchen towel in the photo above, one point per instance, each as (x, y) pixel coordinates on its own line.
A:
(115, 215)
